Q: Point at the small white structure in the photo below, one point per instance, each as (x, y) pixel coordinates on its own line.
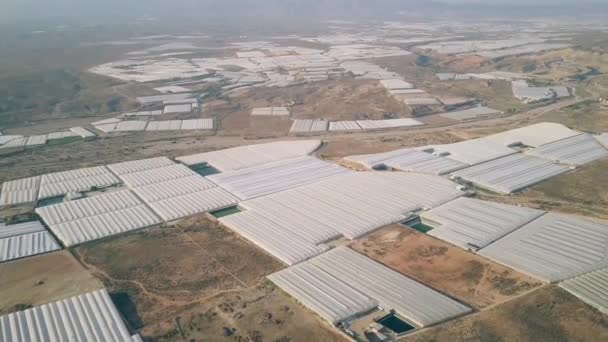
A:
(370, 125)
(344, 126)
(84, 133)
(270, 111)
(172, 89)
(527, 94)
(178, 108)
(471, 113)
(308, 126)
(160, 98)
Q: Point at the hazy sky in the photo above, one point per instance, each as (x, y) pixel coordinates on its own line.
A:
(32, 10)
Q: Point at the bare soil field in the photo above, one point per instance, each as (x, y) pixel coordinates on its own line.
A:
(587, 116)
(242, 123)
(547, 314)
(584, 192)
(260, 313)
(42, 279)
(190, 280)
(331, 100)
(465, 276)
(353, 145)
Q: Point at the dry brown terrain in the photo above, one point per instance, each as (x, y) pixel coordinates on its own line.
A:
(169, 274)
(583, 192)
(331, 100)
(356, 144)
(449, 269)
(262, 313)
(547, 314)
(42, 279)
(586, 116)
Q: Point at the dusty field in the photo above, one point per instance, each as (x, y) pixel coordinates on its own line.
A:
(355, 144)
(584, 191)
(332, 100)
(162, 275)
(547, 314)
(261, 313)
(496, 94)
(586, 116)
(42, 279)
(451, 270)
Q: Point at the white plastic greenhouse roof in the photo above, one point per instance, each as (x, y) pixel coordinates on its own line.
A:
(472, 151)
(164, 125)
(82, 132)
(157, 175)
(276, 239)
(61, 183)
(396, 84)
(346, 268)
(408, 159)
(553, 247)
(270, 111)
(202, 124)
(329, 297)
(161, 98)
(591, 288)
(276, 176)
(139, 165)
(349, 205)
(602, 139)
(173, 191)
(97, 217)
(512, 173)
(177, 108)
(423, 162)
(577, 150)
(172, 89)
(339, 126)
(27, 244)
(20, 228)
(36, 140)
(20, 191)
(89, 317)
(173, 188)
(61, 135)
(473, 224)
(308, 126)
(533, 135)
(387, 124)
(247, 156)
(471, 113)
(181, 206)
